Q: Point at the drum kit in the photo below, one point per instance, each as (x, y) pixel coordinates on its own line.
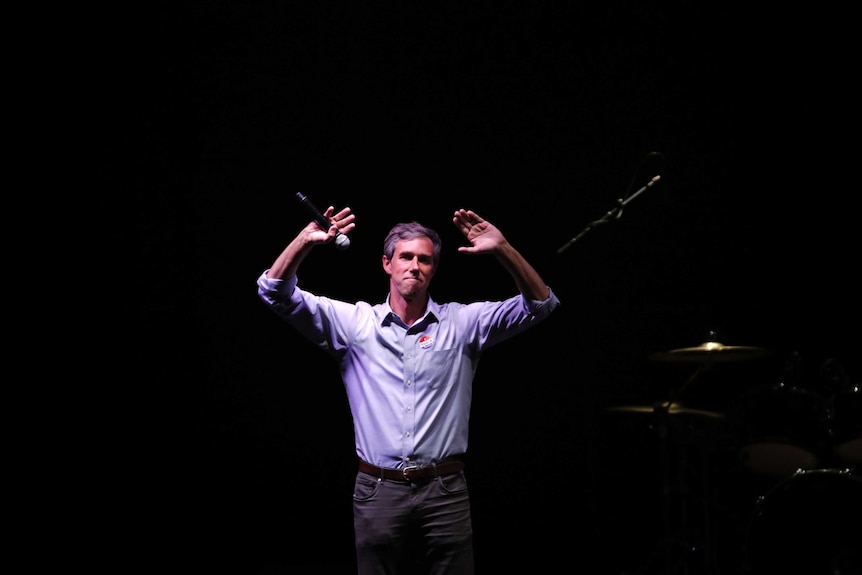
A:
(805, 441)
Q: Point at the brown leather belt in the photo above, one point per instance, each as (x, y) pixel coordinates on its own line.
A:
(413, 474)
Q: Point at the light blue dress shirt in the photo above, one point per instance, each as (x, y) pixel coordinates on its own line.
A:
(409, 387)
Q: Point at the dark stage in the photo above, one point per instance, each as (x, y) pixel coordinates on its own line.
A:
(543, 118)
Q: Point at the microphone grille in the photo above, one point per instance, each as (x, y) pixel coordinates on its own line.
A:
(342, 242)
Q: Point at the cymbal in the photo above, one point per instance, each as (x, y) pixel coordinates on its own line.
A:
(673, 408)
(709, 351)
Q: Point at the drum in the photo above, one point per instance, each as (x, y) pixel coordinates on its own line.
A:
(809, 523)
(783, 429)
(846, 425)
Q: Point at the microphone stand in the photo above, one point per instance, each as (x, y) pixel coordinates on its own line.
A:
(614, 214)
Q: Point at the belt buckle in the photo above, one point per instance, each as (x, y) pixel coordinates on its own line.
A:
(408, 469)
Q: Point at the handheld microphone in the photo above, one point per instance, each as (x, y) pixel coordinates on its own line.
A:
(342, 242)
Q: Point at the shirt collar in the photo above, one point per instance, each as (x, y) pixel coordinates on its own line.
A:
(433, 313)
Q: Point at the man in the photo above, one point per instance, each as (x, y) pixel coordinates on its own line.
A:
(408, 366)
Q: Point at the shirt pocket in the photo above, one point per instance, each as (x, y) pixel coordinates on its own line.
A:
(442, 367)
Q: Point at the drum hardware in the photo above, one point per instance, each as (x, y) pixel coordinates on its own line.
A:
(845, 412)
(683, 543)
(710, 351)
(676, 423)
(808, 523)
(670, 408)
(846, 425)
(664, 415)
(784, 428)
(805, 436)
(800, 423)
(706, 355)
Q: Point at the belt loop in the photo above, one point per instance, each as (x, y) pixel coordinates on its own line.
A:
(436, 473)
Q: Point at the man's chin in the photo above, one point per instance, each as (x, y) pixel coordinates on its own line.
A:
(411, 289)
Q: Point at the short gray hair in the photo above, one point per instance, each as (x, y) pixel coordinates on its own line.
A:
(410, 231)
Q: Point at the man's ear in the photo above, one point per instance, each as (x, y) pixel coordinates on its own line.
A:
(386, 266)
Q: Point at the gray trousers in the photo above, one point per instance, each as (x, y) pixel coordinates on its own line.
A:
(421, 528)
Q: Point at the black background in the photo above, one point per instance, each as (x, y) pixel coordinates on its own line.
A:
(540, 116)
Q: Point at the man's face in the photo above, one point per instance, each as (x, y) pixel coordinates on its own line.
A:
(411, 267)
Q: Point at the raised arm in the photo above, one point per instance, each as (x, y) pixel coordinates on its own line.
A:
(484, 237)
